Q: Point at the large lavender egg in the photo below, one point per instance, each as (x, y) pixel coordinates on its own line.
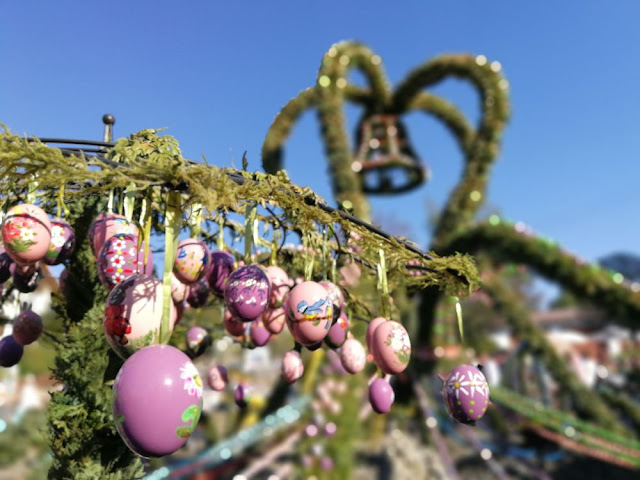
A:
(27, 327)
(309, 313)
(120, 258)
(274, 320)
(105, 226)
(10, 352)
(381, 395)
(247, 293)
(26, 233)
(63, 241)
(466, 394)
(157, 400)
(198, 294)
(192, 261)
(7, 265)
(391, 347)
(352, 356)
(222, 264)
(279, 285)
(292, 366)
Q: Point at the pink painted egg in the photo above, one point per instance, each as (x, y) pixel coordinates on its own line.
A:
(222, 264)
(381, 395)
(218, 378)
(274, 319)
(192, 262)
(233, 326)
(309, 313)
(26, 233)
(198, 294)
(466, 394)
(391, 347)
(352, 356)
(120, 258)
(279, 285)
(105, 226)
(133, 314)
(27, 327)
(63, 241)
(247, 292)
(292, 366)
(260, 336)
(371, 328)
(26, 278)
(179, 290)
(157, 400)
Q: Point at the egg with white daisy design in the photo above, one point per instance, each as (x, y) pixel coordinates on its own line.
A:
(466, 394)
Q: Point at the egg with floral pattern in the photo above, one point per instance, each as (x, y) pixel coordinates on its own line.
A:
(63, 241)
(222, 264)
(105, 226)
(466, 394)
(247, 292)
(309, 313)
(279, 285)
(26, 233)
(192, 261)
(391, 347)
(133, 314)
(352, 356)
(120, 258)
(157, 400)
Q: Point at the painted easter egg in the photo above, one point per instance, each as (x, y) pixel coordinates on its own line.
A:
(120, 258)
(466, 394)
(105, 226)
(233, 326)
(218, 378)
(157, 400)
(27, 327)
(192, 262)
(63, 241)
(337, 333)
(7, 265)
(222, 264)
(371, 328)
(133, 314)
(292, 366)
(259, 334)
(198, 294)
(309, 313)
(391, 347)
(179, 290)
(247, 292)
(381, 395)
(279, 285)
(337, 298)
(274, 319)
(198, 339)
(242, 395)
(352, 356)
(10, 352)
(26, 233)
(26, 278)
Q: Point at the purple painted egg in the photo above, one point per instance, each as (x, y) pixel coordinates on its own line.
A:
(27, 327)
(242, 395)
(133, 314)
(279, 285)
(179, 290)
(222, 264)
(10, 352)
(274, 319)
(337, 298)
(218, 378)
(309, 313)
(7, 265)
(198, 294)
(371, 328)
(120, 258)
(26, 278)
(381, 395)
(157, 400)
(292, 366)
(63, 241)
(233, 326)
(26, 233)
(192, 262)
(352, 356)
(466, 394)
(62, 281)
(247, 293)
(105, 226)
(198, 340)
(260, 336)
(391, 347)
(337, 333)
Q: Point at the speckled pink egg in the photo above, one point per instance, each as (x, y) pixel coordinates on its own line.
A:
(120, 258)
(133, 314)
(222, 264)
(198, 294)
(274, 319)
(466, 394)
(247, 293)
(26, 278)
(309, 313)
(63, 241)
(233, 326)
(371, 328)
(292, 366)
(157, 400)
(391, 347)
(179, 290)
(218, 378)
(105, 226)
(192, 261)
(381, 395)
(26, 233)
(279, 285)
(27, 327)
(352, 356)
(260, 336)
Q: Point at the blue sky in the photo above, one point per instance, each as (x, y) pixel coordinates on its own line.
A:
(216, 73)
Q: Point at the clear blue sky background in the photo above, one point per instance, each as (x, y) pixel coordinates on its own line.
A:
(216, 73)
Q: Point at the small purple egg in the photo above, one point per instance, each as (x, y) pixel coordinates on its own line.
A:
(260, 336)
(27, 327)
(247, 293)
(63, 241)
(10, 352)
(381, 395)
(222, 264)
(198, 340)
(242, 395)
(198, 294)
(466, 394)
